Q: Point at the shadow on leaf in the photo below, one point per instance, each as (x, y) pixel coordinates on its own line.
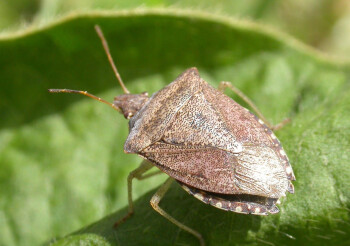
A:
(147, 227)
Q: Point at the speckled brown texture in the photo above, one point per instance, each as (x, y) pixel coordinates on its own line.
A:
(130, 104)
(205, 140)
(149, 124)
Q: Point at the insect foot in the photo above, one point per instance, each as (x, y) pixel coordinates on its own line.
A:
(218, 151)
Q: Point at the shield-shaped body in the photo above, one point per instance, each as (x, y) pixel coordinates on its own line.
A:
(217, 150)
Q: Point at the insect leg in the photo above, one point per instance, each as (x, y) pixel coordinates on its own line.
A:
(223, 85)
(138, 174)
(155, 204)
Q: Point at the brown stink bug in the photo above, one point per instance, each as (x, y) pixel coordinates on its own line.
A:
(218, 151)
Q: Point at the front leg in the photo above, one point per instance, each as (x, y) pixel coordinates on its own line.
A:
(138, 173)
(223, 85)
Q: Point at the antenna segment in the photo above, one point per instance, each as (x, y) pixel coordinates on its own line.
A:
(85, 93)
(110, 59)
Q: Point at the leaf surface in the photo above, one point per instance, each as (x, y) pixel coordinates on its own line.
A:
(62, 165)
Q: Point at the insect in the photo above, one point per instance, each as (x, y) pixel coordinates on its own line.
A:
(218, 151)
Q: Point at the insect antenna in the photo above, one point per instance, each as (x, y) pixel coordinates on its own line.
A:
(85, 93)
(110, 59)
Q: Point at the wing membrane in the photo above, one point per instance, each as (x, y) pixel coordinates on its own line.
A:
(220, 171)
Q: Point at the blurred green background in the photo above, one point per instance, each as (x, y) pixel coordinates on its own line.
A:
(323, 24)
(62, 168)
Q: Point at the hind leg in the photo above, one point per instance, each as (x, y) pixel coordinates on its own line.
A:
(224, 85)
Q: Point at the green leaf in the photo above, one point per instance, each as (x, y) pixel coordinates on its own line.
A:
(62, 165)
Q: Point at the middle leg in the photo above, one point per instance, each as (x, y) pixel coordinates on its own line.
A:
(155, 204)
